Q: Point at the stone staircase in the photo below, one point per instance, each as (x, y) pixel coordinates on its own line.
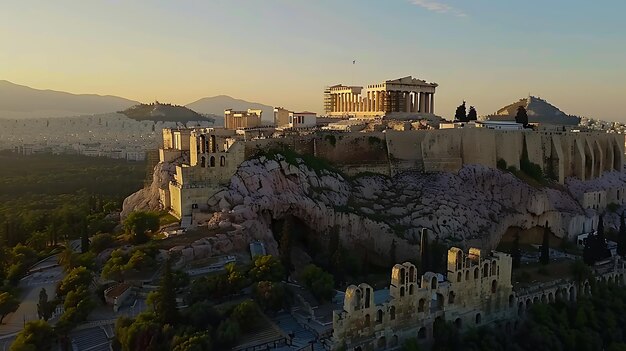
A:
(303, 339)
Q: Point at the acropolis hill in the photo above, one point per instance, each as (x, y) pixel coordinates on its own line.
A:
(385, 182)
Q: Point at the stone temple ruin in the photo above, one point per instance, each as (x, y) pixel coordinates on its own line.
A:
(476, 291)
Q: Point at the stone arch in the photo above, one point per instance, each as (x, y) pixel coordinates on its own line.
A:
(467, 275)
(402, 276)
(478, 319)
(382, 343)
(412, 274)
(202, 145)
(203, 162)
(222, 161)
(610, 281)
(411, 289)
(392, 313)
(535, 300)
(401, 291)
(494, 286)
(459, 277)
(476, 273)
(544, 298)
(367, 320)
(213, 144)
(433, 283)
(421, 305)
(572, 294)
(493, 267)
(358, 299)
(458, 323)
(551, 297)
(451, 297)
(559, 294)
(379, 316)
(438, 301)
(459, 260)
(421, 333)
(485, 270)
(529, 303)
(212, 161)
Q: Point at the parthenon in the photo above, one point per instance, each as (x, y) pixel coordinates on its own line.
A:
(404, 95)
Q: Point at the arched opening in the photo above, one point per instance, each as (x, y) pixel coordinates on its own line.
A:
(529, 304)
(402, 276)
(222, 161)
(202, 144)
(212, 161)
(412, 274)
(357, 298)
(433, 283)
(401, 291)
(559, 294)
(572, 294)
(203, 161)
(368, 297)
(493, 268)
(467, 275)
(494, 286)
(511, 301)
(382, 343)
(392, 313)
(421, 305)
(421, 333)
(544, 298)
(476, 273)
(411, 288)
(437, 302)
(451, 297)
(479, 319)
(367, 320)
(551, 297)
(485, 270)
(459, 260)
(458, 323)
(535, 300)
(459, 276)
(379, 316)
(213, 143)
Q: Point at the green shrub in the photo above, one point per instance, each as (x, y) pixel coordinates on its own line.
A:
(331, 139)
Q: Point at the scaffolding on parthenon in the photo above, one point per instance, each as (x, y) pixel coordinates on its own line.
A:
(328, 101)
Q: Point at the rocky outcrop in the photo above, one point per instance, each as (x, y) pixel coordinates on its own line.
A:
(474, 207)
(147, 199)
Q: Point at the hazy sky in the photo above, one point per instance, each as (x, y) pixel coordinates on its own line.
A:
(283, 52)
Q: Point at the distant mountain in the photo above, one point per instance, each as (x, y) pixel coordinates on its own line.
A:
(539, 111)
(160, 112)
(18, 101)
(217, 104)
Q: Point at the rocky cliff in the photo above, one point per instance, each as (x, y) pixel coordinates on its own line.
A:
(474, 207)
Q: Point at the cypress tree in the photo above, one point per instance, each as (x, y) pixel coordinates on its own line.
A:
(516, 254)
(460, 114)
(601, 248)
(166, 308)
(472, 115)
(545, 246)
(621, 240)
(521, 116)
(424, 254)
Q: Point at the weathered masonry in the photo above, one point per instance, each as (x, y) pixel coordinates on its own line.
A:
(476, 291)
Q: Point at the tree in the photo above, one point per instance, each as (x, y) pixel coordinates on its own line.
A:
(424, 251)
(621, 240)
(601, 249)
(460, 114)
(166, 308)
(138, 223)
(44, 307)
(84, 241)
(320, 283)
(77, 277)
(521, 116)
(227, 333)
(8, 304)
(516, 254)
(267, 268)
(269, 295)
(200, 341)
(545, 246)
(100, 242)
(285, 244)
(36, 335)
(472, 115)
(246, 314)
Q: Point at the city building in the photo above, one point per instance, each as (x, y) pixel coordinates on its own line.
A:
(399, 96)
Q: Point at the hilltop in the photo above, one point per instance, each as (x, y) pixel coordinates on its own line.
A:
(19, 101)
(539, 111)
(160, 112)
(217, 104)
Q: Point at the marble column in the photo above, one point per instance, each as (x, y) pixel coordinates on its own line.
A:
(376, 101)
(415, 107)
(407, 101)
(427, 103)
(432, 103)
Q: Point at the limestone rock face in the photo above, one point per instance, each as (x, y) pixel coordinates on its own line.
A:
(474, 207)
(147, 199)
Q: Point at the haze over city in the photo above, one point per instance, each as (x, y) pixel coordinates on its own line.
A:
(284, 52)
